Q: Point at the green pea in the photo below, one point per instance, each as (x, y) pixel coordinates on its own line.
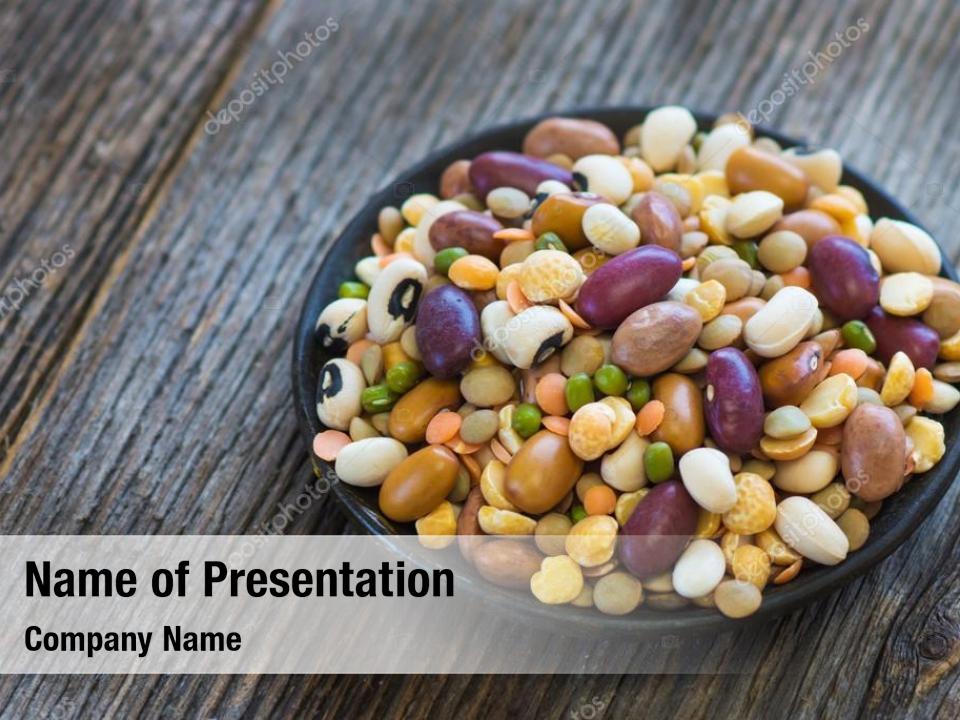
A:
(639, 393)
(446, 257)
(526, 419)
(857, 335)
(658, 462)
(353, 290)
(578, 391)
(550, 241)
(577, 513)
(377, 399)
(403, 376)
(610, 380)
(747, 250)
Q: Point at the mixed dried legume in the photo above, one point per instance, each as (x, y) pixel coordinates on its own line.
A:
(686, 366)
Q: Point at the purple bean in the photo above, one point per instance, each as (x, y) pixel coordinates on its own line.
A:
(469, 229)
(920, 342)
(656, 533)
(509, 169)
(843, 278)
(734, 406)
(448, 330)
(627, 283)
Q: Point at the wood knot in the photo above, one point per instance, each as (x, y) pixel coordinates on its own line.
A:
(934, 646)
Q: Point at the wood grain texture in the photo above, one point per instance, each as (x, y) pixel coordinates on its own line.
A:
(145, 386)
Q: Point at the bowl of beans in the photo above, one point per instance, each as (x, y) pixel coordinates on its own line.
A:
(651, 370)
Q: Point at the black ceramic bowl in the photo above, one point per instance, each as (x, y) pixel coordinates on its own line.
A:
(900, 516)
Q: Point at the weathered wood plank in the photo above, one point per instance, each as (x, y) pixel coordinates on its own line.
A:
(161, 404)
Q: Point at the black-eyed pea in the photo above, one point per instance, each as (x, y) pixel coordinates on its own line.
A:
(392, 302)
(855, 526)
(627, 503)
(618, 593)
(834, 499)
(752, 564)
(438, 528)
(831, 401)
(339, 392)
(494, 521)
(558, 581)
(774, 546)
(906, 293)
(928, 442)
(788, 448)
(737, 598)
(898, 382)
(592, 541)
(492, 480)
(534, 334)
(603, 175)
(341, 323)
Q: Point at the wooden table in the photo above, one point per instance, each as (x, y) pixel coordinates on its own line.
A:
(162, 250)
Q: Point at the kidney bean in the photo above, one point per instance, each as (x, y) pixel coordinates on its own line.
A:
(659, 221)
(448, 330)
(843, 277)
(657, 531)
(788, 379)
(573, 137)
(473, 231)
(509, 169)
(920, 342)
(627, 283)
(734, 406)
(656, 336)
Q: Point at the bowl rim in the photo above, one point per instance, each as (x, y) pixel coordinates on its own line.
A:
(576, 621)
